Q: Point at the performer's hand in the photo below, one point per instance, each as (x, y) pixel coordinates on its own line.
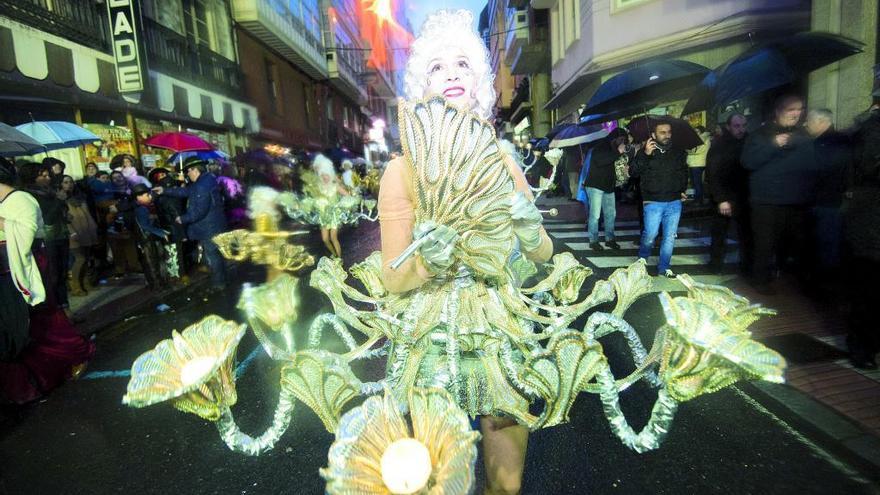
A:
(436, 251)
(526, 221)
(725, 209)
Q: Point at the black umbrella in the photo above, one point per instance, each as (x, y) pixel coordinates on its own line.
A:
(642, 86)
(769, 66)
(683, 135)
(16, 143)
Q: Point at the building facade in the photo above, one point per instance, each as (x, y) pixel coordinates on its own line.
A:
(591, 40)
(153, 66)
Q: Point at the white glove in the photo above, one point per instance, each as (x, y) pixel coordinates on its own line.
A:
(436, 250)
(526, 221)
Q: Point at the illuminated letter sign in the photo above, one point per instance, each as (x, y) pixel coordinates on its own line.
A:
(123, 28)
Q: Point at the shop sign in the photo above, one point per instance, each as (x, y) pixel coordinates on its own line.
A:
(124, 31)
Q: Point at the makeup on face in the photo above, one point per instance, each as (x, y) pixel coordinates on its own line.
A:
(451, 75)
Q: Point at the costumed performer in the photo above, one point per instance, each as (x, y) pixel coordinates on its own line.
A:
(449, 59)
(39, 347)
(332, 202)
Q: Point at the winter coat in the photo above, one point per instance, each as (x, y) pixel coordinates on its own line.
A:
(725, 175)
(83, 229)
(862, 213)
(601, 173)
(780, 175)
(834, 158)
(204, 216)
(662, 176)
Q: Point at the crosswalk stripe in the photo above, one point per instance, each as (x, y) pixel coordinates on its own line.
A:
(678, 260)
(679, 243)
(617, 233)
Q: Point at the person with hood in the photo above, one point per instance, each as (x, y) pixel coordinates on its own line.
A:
(204, 216)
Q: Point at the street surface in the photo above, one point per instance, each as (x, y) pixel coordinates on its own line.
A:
(82, 440)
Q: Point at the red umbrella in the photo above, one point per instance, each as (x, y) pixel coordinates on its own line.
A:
(178, 142)
(683, 135)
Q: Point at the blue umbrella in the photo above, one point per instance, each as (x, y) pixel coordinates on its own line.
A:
(216, 155)
(644, 85)
(16, 143)
(769, 66)
(574, 134)
(56, 135)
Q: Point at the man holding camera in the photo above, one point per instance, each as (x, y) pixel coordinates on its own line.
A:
(663, 176)
(781, 159)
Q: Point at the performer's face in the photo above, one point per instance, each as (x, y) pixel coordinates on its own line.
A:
(450, 75)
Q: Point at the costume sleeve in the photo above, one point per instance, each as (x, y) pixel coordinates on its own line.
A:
(396, 221)
(21, 217)
(545, 250)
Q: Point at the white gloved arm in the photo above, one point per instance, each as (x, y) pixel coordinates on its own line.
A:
(526, 221)
(437, 247)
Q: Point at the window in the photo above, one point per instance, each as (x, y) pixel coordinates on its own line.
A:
(330, 107)
(207, 22)
(168, 13)
(618, 5)
(272, 87)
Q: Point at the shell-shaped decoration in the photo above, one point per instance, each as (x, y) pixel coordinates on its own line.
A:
(630, 284)
(736, 309)
(323, 381)
(560, 372)
(234, 245)
(366, 432)
(193, 369)
(369, 272)
(566, 277)
(461, 180)
(703, 353)
(275, 302)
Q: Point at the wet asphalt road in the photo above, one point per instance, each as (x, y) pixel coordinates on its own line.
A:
(82, 440)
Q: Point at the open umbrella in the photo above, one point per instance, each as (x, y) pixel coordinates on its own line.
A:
(56, 135)
(683, 135)
(769, 66)
(575, 134)
(216, 155)
(16, 143)
(644, 85)
(178, 141)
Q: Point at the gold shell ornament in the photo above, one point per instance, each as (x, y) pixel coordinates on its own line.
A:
(193, 369)
(461, 180)
(323, 381)
(703, 352)
(368, 432)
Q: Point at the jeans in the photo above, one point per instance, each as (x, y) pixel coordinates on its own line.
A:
(697, 179)
(660, 214)
(600, 202)
(215, 262)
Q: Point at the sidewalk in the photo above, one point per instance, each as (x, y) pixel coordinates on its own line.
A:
(114, 300)
(822, 389)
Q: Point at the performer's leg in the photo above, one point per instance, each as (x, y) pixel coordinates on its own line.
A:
(504, 453)
(334, 239)
(325, 237)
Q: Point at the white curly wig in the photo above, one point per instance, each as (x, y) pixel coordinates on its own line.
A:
(323, 165)
(442, 30)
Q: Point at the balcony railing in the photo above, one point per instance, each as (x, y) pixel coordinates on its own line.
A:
(273, 23)
(349, 76)
(173, 54)
(82, 21)
(533, 57)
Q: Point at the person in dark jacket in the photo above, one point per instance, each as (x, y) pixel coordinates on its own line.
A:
(599, 186)
(834, 159)
(728, 188)
(204, 216)
(168, 208)
(781, 159)
(862, 227)
(663, 177)
(150, 239)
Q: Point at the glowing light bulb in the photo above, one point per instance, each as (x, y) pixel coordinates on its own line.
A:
(406, 466)
(196, 369)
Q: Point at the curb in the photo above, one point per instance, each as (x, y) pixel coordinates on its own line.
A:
(835, 432)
